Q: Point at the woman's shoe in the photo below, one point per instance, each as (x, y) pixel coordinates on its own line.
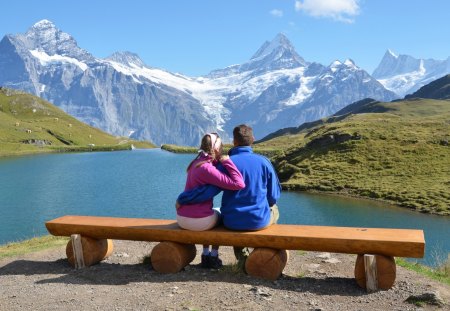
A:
(205, 261)
(215, 262)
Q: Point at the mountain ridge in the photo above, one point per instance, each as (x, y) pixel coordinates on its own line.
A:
(404, 74)
(438, 89)
(122, 95)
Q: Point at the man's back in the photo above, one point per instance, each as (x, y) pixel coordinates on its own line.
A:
(249, 208)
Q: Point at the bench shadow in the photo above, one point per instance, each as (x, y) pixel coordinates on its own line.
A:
(113, 274)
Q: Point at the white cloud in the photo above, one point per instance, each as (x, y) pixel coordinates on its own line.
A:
(276, 13)
(340, 10)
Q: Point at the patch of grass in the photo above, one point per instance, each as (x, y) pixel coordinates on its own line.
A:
(266, 151)
(301, 274)
(179, 149)
(31, 245)
(234, 268)
(441, 273)
(417, 302)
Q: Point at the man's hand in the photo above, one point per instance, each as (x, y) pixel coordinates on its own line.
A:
(177, 205)
(224, 157)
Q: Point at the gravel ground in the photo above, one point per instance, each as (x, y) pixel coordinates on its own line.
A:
(311, 281)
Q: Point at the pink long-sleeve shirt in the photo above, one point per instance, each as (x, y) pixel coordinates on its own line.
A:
(207, 173)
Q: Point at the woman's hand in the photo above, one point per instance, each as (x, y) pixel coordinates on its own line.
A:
(224, 157)
(177, 205)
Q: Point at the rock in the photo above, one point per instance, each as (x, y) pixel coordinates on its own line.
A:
(332, 260)
(432, 298)
(312, 267)
(261, 291)
(324, 256)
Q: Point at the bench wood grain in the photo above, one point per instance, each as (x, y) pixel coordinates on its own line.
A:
(350, 240)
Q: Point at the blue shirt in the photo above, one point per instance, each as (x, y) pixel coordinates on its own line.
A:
(249, 208)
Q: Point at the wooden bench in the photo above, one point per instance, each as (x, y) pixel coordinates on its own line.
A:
(375, 247)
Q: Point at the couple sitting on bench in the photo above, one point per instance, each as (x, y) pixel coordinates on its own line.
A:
(250, 191)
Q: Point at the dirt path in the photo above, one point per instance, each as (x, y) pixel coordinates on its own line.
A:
(311, 281)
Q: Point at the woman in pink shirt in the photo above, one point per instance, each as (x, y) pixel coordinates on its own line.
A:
(201, 171)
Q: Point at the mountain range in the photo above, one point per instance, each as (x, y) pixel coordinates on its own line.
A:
(123, 96)
(404, 74)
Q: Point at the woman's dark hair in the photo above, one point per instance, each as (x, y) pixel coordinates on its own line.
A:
(205, 145)
(243, 135)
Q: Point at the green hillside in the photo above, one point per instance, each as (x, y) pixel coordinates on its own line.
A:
(268, 152)
(397, 152)
(29, 124)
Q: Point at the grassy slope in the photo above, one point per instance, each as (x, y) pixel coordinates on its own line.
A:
(31, 245)
(401, 156)
(20, 112)
(267, 151)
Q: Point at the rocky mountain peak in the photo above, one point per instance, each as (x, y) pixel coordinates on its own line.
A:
(279, 42)
(272, 55)
(127, 58)
(43, 24)
(395, 64)
(280, 50)
(46, 37)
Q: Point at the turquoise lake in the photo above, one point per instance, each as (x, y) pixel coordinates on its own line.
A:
(145, 183)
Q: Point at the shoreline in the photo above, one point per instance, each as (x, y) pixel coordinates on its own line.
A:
(391, 204)
(80, 149)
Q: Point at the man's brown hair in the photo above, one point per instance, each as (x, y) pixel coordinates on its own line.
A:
(243, 135)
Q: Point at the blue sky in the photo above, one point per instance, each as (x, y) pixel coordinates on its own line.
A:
(195, 37)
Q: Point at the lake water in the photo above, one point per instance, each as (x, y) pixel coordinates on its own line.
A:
(145, 183)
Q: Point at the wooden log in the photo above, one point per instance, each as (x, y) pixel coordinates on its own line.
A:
(266, 263)
(77, 250)
(171, 257)
(94, 250)
(389, 242)
(386, 271)
(110, 248)
(370, 266)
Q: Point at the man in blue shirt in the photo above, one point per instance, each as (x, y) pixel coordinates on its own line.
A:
(254, 207)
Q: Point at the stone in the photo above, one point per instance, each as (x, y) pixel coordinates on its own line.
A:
(324, 256)
(332, 260)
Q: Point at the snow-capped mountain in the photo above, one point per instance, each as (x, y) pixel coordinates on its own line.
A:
(123, 96)
(404, 74)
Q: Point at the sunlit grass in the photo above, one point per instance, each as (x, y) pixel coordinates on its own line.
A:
(31, 245)
(440, 273)
(25, 119)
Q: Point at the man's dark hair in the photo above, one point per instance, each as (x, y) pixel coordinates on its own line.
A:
(243, 135)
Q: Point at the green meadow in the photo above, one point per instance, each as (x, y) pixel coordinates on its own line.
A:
(29, 125)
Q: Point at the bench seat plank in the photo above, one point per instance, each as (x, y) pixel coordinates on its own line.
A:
(389, 242)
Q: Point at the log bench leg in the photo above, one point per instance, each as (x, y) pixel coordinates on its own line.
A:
(375, 272)
(171, 257)
(83, 251)
(266, 263)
